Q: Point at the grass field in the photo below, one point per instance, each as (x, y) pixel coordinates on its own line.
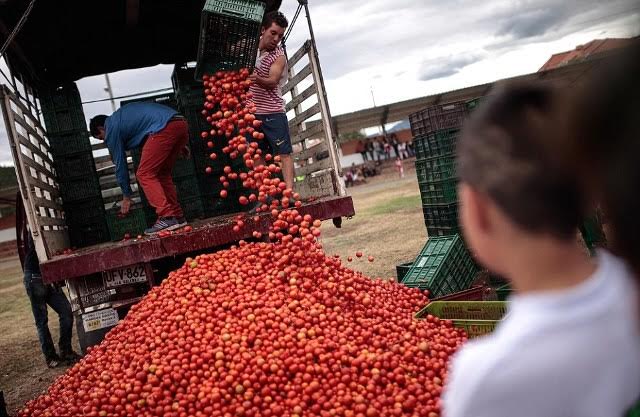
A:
(388, 226)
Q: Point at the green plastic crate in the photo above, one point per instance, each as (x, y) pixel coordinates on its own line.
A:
(402, 269)
(436, 231)
(187, 186)
(437, 117)
(229, 34)
(474, 103)
(193, 208)
(441, 215)
(75, 165)
(79, 188)
(439, 192)
(503, 292)
(444, 266)
(436, 169)
(69, 143)
(437, 143)
(62, 109)
(477, 318)
(134, 223)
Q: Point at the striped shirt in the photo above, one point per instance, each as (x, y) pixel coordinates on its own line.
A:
(268, 100)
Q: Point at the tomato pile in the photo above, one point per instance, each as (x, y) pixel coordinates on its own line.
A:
(263, 329)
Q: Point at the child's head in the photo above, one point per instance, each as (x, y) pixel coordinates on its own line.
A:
(510, 189)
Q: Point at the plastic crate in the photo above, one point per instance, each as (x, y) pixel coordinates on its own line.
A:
(187, 186)
(441, 116)
(133, 223)
(437, 143)
(89, 234)
(473, 104)
(69, 143)
(67, 119)
(229, 34)
(402, 269)
(193, 208)
(437, 231)
(79, 188)
(167, 99)
(75, 165)
(441, 215)
(476, 293)
(503, 292)
(84, 212)
(436, 169)
(439, 192)
(477, 318)
(64, 96)
(444, 266)
(185, 85)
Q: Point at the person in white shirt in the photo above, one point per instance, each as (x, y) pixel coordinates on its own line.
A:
(569, 345)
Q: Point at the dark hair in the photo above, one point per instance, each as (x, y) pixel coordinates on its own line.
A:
(605, 147)
(502, 153)
(95, 123)
(274, 17)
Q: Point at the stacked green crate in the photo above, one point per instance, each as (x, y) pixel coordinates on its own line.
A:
(74, 164)
(190, 97)
(436, 131)
(444, 266)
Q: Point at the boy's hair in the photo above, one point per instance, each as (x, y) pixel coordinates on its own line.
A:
(95, 123)
(274, 17)
(502, 153)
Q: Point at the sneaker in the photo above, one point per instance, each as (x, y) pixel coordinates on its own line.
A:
(70, 357)
(53, 361)
(182, 222)
(164, 223)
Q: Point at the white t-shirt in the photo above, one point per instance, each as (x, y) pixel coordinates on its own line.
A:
(573, 353)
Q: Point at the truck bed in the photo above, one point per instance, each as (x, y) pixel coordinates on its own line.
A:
(206, 233)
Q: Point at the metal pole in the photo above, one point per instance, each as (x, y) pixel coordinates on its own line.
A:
(108, 90)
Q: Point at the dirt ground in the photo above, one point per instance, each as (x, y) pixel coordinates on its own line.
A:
(388, 226)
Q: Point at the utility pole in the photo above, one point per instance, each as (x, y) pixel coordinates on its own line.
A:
(110, 92)
(372, 96)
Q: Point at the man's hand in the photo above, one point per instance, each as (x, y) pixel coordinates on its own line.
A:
(185, 152)
(253, 77)
(125, 206)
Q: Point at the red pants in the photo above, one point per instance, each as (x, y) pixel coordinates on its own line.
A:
(159, 155)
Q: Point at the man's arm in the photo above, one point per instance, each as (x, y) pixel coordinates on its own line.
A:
(119, 158)
(275, 73)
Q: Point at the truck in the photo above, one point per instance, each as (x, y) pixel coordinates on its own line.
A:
(49, 46)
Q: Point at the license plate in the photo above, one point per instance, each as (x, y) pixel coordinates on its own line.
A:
(124, 276)
(99, 319)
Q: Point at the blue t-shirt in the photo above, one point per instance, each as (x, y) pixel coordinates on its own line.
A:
(126, 129)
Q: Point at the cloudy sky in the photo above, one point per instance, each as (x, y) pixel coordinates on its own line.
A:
(416, 47)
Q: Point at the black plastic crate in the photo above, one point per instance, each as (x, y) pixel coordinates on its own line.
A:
(79, 188)
(434, 231)
(193, 208)
(167, 99)
(188, 91)
(69, 143)
(187, 186)
(402, 269)
(89, 211)
(441, 116)
(437, 143)
(75, 165)
(63, 119)
(229, 34)
(89, 234)
(436, 169)
(61, 97)
(439, 192)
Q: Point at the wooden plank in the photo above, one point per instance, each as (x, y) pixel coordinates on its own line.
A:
(316, 166)
(298, 99)
(109, 181)
(98, 146)
(43, 202)
(304, 49)
(306, 134)
(304, 73)
(310, 112)
(57, 240)
(50, 221)
(311, 152)
(102, 159)
(27, 143)
(22, 120)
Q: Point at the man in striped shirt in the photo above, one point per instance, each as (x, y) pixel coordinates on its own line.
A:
(268, 78)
